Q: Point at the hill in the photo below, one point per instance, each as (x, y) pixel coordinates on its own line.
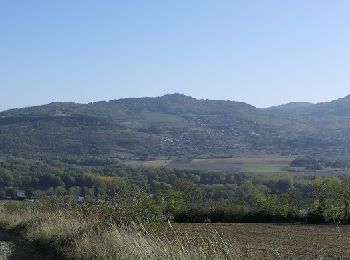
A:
(292, 106)
(175, 125)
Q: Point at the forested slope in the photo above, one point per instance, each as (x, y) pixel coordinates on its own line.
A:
(174, 125)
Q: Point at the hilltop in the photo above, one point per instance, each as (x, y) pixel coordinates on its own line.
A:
(175, 125)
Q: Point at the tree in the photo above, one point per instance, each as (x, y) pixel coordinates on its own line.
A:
(331, 198)
(6, 178)
(173, 201)
(49, 180)
(60, 190)
(192, 194)
(110, 184)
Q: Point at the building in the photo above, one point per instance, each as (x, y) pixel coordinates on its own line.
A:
(21, 194)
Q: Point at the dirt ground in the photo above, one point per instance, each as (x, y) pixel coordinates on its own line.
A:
(279, 241)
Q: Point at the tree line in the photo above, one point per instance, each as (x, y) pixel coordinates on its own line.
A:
(185, 195)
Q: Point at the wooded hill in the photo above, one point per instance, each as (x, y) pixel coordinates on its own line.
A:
(175, 125)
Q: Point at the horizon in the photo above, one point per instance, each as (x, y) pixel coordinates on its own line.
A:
(107, 100)
(253, 52)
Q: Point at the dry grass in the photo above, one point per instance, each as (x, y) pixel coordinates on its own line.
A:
(78, 236)
(126, 244)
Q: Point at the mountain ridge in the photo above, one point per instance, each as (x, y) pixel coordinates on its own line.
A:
(181, 97)
(175, 125)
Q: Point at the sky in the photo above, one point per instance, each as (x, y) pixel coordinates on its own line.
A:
(261, 52)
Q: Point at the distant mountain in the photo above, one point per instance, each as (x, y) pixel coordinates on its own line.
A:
(292, 106)
(339, 107)
(175, 125)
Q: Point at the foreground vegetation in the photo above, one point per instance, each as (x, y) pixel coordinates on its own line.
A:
(111, 230)
(107, 230)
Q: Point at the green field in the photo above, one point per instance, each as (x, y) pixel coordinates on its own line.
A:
(261, 168)
(248, 164)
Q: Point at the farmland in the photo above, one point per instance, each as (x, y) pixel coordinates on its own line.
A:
(277, 241)
(247, 164)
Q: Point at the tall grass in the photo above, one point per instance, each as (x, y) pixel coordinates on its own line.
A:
(77, 232)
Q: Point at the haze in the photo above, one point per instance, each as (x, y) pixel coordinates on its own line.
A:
(261, 52)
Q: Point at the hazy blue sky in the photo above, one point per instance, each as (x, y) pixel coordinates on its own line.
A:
(262, 52)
